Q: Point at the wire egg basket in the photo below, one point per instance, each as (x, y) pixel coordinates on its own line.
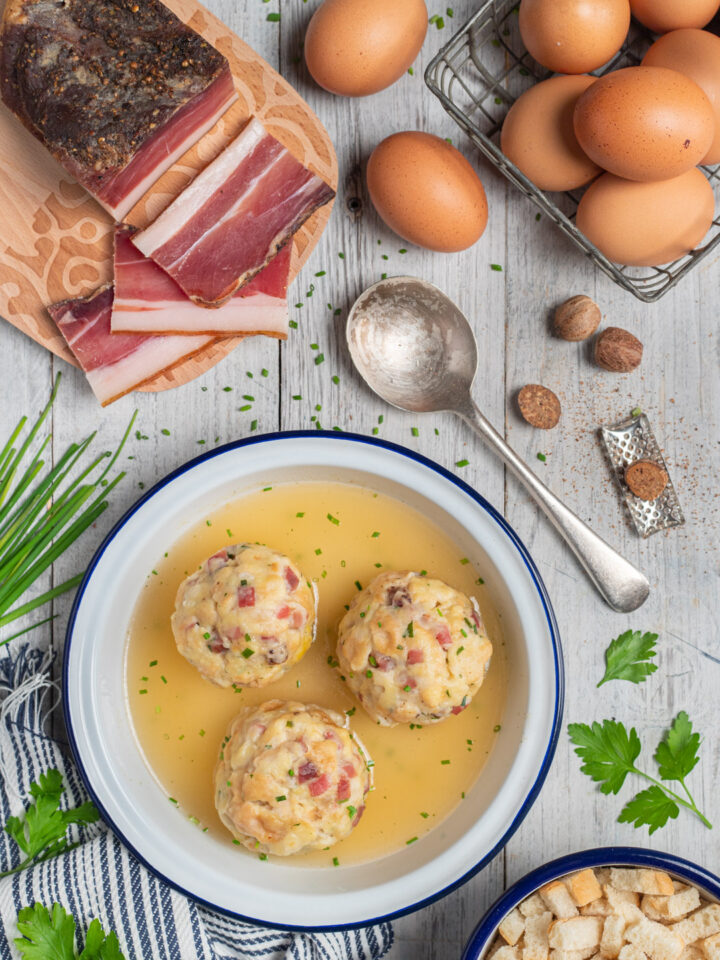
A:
(477, 77)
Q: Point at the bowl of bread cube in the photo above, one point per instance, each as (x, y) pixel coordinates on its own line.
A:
(611, 903)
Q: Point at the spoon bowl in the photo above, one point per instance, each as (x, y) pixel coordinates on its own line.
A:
(417, 351)
(412, 345)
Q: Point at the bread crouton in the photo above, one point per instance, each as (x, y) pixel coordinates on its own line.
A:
(642, 881)
(506, 952)
(575, 933)
(657, 941)
(679, 905)
(584, 887)
(597, 908)
(535, 941)
(701, 925)
(572, 954)
(613, 936)
(711, 947)
(512, 927)
(631, 952)
(557, 899)
(533, 906)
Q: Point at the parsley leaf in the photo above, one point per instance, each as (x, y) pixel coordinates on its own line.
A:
(41, 834)
(628, 657)
(677, 753)
(609, 752)
(46, 935)
(651, 807)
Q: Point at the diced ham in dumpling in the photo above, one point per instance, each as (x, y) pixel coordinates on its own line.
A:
(234, 216)
(148, 301)
(115, 364)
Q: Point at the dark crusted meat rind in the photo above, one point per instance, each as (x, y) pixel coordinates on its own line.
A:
(95, 79)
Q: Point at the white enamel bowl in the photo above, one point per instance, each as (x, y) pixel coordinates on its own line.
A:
(273, 892)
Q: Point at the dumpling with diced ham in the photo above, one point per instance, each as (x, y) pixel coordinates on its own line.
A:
(291, 778)
(412, 649)
(245, 617)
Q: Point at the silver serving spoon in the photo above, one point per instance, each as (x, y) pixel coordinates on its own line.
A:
(416, 350)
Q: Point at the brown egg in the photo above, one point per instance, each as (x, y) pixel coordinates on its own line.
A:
(647, 224)
(538, 135)
(664, 15)
(427, 192)
(696, 53)
(574, 36)
(358, 47)
(645, 123)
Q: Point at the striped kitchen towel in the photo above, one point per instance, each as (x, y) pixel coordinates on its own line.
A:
(100, 878)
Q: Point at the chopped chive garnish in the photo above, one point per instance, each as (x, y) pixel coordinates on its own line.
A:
(247, 653)
(263, 856)
(497, 728)
(376, 533)
(280, 798)
(636, 412)
(414, 431)
(358, 585)
(301, 514)
(320, 358)
(496, 266)
(444, 762)
(462, 463)
(333, 519)
(542, 457)
(336, 862)
(424, 815)
(464, 561)
(172, 800)
(411, 840)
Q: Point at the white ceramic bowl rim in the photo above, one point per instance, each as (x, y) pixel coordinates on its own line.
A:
(536, 579)
(572, 862)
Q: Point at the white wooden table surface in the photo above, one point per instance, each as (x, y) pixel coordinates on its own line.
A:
(677, 385)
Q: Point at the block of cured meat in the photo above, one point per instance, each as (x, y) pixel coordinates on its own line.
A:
(147, 300)
(234, 216)
(116, 364)
(116, 90)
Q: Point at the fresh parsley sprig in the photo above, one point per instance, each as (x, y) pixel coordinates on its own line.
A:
(51, 936)
(609, 752)
(629, 657)
(41, 833)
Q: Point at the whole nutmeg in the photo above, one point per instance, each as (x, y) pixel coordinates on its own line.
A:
(618, 350)
(646, 479)
(539, 406)
(577, 319)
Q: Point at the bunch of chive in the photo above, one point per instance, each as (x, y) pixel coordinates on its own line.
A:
(42, 512)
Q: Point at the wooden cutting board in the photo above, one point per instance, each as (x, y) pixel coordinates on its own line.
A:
(57, 241)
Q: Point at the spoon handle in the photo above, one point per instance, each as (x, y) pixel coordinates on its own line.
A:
(619, 582)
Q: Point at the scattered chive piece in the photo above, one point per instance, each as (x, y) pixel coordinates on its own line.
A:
(336, 379)
(263, 856)
(165, 432)
(358, 585)
(300, 514)
(247, 653)
(497, 728)
(542, 457)
(376, 533)
(253, 425)
(462, 463)
(411, 840)
(271, 18)
(264, 372)
(444, 762)
(424, 815)
(636, 412)
(172, 800)
(480, 581)
(496, 266)
(318, 551)
(333, 519)
(297, 396)
(142, 691)
(281, 798)
(414, 431)
(336, 862)
(320, 358)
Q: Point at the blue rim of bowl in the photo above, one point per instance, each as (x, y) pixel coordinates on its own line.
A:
(534, 575)
(597, 857)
